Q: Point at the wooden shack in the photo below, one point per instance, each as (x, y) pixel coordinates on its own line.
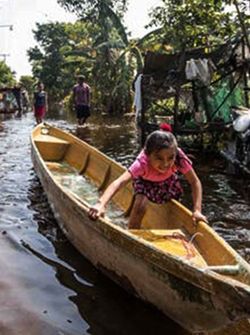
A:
(199, 105)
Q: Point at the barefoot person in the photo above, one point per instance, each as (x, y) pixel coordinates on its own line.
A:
(81, 100)
(154, 175)
(40, 103)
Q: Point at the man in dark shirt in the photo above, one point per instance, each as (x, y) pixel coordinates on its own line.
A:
(81, 100)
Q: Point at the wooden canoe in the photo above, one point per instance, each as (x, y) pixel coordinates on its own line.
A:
(188, 272)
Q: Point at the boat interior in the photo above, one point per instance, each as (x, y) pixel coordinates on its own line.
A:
(86, 172)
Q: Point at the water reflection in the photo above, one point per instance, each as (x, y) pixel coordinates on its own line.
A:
(61, 291)
(225, 202)
(105, 307)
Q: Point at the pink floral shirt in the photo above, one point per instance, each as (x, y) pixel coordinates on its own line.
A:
(142, 168)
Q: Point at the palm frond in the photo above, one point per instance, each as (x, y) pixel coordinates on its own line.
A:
(117, 23)
(110, 45)
(86, 53)
(139, 58)
(149, 35)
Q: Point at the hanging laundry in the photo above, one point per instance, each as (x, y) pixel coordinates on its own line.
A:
(137, 98)
(199, 69)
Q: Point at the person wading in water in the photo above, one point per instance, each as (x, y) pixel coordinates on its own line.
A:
(81, 100)
(40, 103)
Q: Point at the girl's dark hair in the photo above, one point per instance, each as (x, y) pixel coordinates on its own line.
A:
(158, 140)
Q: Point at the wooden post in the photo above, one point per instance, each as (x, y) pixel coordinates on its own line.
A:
(242, 23)
(180, 68)
(143, 105)
(246, 88)
(195, 99)
(176, 108)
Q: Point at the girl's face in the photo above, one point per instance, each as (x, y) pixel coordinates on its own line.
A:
(163, 159)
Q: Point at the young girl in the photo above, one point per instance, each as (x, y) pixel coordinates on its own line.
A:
(40, 103)
(155, 179)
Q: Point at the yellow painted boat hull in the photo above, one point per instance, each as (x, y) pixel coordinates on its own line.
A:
(188, 272)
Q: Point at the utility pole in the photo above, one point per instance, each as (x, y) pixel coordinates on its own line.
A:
(4, 56)
(10, 26)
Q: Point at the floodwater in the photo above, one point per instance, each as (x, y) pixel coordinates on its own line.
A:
(47, 287)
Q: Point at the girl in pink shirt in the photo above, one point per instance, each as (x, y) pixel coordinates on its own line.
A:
(154, 175)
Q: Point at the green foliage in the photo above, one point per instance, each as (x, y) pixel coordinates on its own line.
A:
(90, 9)
(89, 48)
(28, 82)
(48, 59)
(193, 23)
(6, 75)
(98, 45)
(114, 59)
(107, 14)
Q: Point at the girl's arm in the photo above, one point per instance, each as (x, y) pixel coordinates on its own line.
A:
(99, 209)
(196, 187)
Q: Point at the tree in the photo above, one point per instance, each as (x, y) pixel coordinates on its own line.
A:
(97, 11)
(243, 18)
(6, 75)
(28, 82)
(111, 74)
(47, 59)
(193, 23)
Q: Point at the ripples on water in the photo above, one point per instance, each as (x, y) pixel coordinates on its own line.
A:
(53, 289)
(54, 286)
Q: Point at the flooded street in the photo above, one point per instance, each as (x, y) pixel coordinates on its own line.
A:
(47, 286)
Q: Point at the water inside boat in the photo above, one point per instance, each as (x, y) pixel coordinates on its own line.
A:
(85, 172)
(81, 186)
(173, 241)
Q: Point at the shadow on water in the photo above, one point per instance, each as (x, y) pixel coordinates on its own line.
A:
(105, 307)
(65, 293)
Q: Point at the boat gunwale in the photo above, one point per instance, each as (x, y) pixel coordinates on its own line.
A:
(165, 257)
